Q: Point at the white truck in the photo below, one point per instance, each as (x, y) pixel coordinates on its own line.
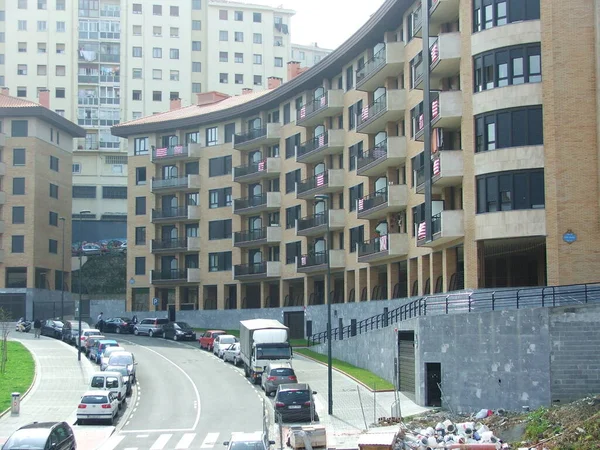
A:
(262, 341)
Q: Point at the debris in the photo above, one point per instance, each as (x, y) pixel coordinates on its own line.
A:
(482, 414)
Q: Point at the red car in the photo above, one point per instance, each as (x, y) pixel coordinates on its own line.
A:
(208, 338)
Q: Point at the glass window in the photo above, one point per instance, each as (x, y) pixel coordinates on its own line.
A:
(18, 214)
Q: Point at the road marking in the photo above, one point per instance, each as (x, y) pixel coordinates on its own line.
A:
(127, 423)
(185, 441)
(142, 435)
(210, 440)
(131, 448)
(160, 443)
(113, 442)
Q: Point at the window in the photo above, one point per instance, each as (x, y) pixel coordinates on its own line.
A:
(256, 17)
(223, 35)
(196, 5)
(84, 191)
(53, 191)
(174, 32)
(114, 192)
(137, 74)
(22, 69)
(18, 244)
(60, 5)
(257, 38)
(291, 215)
(174, 11)
(238, 16)
(239, 78)
(492, 13)
(157, 31)
(41, 70)
(140, 235)
(355, 192)
(509, 128)
(19, 128)
(137, 8)
(76, 168)
(140, 206)
(223, 78)
(54, 162)
(157, 52)
(505, 191)
(257, 59)
(18, 156)
(238, 36)
(257, 80)
(137, 30)
(278, 41)
(223, 56)
(219, 166)
(157, 74)
(354, 152)
(219, 198)
(287, 117)
(21, 91)
(19, 186)
(42, 25)
(59, 93)
(292, 250)
(18, 214)
(174, 75)
(238, 57)
(223, 14)
(22, 4)
(219, 229)
(53, 219)
(192, 138)
(174, 53)
(157, 10)
(357, 235)
(212, 136)
(507, 66)
(196, 67)
(196, 87)
(278, 62)
(140, 146)
(156, 96)
(196, 25)
(60, 49)
(290, 145)
(218, 262)
(52, 246)
(137, 52)
(196, 46)
(229, 132)
(140, 265)
(136, 95)
(291, 178)
(22, 47)
(60, 27)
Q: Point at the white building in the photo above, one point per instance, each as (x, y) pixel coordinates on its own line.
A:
(308, 55)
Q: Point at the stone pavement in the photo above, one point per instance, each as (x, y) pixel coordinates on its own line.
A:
(59, 383)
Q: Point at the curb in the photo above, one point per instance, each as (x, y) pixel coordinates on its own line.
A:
(35, 376)
(346, 374)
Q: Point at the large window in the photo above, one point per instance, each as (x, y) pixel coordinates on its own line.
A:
(140, 265)
(140, 206)
(229, 132)
(219, 229)
(19, 128)
(290, 145)
(212, 136)
(140, 146)
(219, 198)
(509, 128)
(219, 166)
(18, 244)
(218, 262)
(292, 250)
(16, 277)
(18, 214)
(357, 235)
(494, 13)
(291, 214)
(119, 192)
(355, 192)
(84, 191)
(507, 66)
(505, 191)
(19, 186)
(291, 178)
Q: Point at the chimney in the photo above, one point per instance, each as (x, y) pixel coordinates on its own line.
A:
(44, 98)
(175, 104)
(5, 91)
(207, 98)
(293, 70)
(273, 82)
(247, 91)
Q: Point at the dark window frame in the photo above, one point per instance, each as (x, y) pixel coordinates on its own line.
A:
(506, 138)
(501, 191)
(493, 13)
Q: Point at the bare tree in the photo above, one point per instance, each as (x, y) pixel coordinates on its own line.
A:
(4, 331)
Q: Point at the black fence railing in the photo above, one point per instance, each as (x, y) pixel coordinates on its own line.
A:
(250, 235)
(319, 180)
(250, 202)
(242, 138)
(484, 300)
(372, 155)
(309, 222)
(372, 200)
(169, 213)
(312, 259)
(375, 245)
(371, 66)
(314, 106)
(314, 144)
(369, 112)
(250, 269)
(169, 244)
(250, 169)
(169, 274)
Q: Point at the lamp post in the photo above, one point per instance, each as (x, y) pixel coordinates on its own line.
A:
(81, 213)
(62, 273)
(325, 198)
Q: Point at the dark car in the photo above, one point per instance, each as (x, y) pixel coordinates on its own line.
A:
(118, 325)
(179, 331)
(52, 328)
(295, 402)
(42, 435)
(70, 330)
(125, 359)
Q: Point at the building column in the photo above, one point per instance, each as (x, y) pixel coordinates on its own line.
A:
(349, 284)
(424, 274)
(435, 269)
(264, 294)
(393, 277)
(448, 266)
(362, 284)
(413, 275)
(307, 290)
(373, 280)
(178, 295)
(221, 295)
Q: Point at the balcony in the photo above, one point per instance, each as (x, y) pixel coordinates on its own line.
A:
(392, 199)
(268, 201)
(186, 244)
(332, 180)
(255, 138)
(446, 112)
(314, 113)
(110, 79)
(175, 153)
(376, 161)
(88, 101)
(2, 197)
(445, 56)
(381, 248)
(2, 168)
(110, 58)
(263, 170)
(88, 79)
(316, 225)
(328, 143)
(257, 271)
(446, 226)
(174, 276)
(317, 262)
(446, 170)
(387, 108)
(260, 236)
(176, 214)
(442, 12)
(387, 62)
(189, 183)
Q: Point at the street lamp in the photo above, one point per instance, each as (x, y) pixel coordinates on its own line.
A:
(81, 213)
(62, 274)
(325, 198)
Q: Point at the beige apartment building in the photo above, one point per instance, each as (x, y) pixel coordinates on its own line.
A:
(36, 147)
(493, 184)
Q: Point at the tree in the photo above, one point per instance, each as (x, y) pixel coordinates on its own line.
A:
(4, 332)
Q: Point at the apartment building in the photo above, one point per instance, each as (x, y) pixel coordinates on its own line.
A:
(308, 55)
(36, 147)
(484, 187)
(250, 42)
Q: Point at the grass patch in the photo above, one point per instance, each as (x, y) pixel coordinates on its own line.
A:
(364, 376)
(19, 373)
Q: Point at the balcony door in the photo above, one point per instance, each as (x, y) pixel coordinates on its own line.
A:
(320, 207)
(169, 172)
(255, 256)
(254, 124)
(380, 138)
(319, 130)
(168, 264)
(378, 94)
(382, 228)
(255, 190)
(168, 232)
(255, 157)
(169, 141)
(381, 184)
(319, 92)
(168, 202)
(319, 168)
(254, 223)
(319, 246)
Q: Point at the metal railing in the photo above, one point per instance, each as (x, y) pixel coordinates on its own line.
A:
(110, 58)
(169, 183)
(250, 202)
(372, 155)
(250, 269)
(88, 78)
(314, 144)
(110, 79)
(373, 246)
(174, 151)
(372, 200)
(250, 235)
(169, 274)
(315, 220)
(316, 105)
(371, 66)
(240, 171)
(484, 300)
(312, 259)
(169, 244)
(319, 180)
(169, 213)
(242, 138)
(436, 223)
(377, 107)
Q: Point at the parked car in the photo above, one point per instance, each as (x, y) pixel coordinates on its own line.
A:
(90, 250)
(125, 376)
(151, 327)
(207, 339)
(86, 334)
(71, 327)
(110, 381)
(295, 402)
(91, 341)
(248, 441)
(276, 374)
(42, 435)
(122, 248)
(52, 328)
(222, 342)
(98, 349)
(125, 359)
(232, 354)
(118, 325)
(178, 331)
(106, 355)
(98, 405)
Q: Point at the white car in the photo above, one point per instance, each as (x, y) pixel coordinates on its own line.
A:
(107, 354)
(232, 354)
(248, 441)
(85, 335)
(98, 405)
(222, 342)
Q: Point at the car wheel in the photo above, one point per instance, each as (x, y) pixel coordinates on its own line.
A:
(151, 333)
(136, 332)
(118, 330)
(175, 337)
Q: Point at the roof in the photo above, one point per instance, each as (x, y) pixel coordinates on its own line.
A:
(232, 3)
(386, 18)
(266, 324)
(39, 425)
(17, 107)
(238, 436)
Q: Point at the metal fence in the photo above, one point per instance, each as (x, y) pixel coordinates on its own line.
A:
(469, 301)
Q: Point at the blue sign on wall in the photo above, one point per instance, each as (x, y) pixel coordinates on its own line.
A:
(569, 237)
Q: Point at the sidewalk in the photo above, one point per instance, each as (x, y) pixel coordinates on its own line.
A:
(59, 383)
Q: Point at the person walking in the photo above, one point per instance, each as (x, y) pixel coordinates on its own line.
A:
(37, 326)
(100, 324)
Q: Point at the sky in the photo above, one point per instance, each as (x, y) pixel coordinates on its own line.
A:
(327, 22)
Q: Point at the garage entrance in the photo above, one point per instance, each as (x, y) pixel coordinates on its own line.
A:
(13, 305)
(433, 379)
(406, 362)
(294, 320)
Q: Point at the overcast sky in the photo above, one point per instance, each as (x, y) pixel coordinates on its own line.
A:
(327, 22)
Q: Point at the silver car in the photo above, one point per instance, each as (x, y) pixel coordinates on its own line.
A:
(276, 374)
(151, 327)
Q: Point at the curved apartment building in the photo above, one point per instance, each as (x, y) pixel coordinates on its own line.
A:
(466, 160)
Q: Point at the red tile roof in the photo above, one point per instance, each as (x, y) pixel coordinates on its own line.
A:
(7, 101)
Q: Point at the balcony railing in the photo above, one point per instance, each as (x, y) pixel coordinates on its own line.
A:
(379, 151)
(110, 58)
(176, 151)
(436, 223)
(321, 179)
(317, 142)
(250, 235)
(169, 183)
(90, 79)
(168, 244)
(169, 274)
(370, 111)
(241, 138)
(88, 100)
(371, 65)
(375, 245)
(372, 200)
(256, 167)
(313, 259)
(250, 202)
(250, 269)
(110, 101)
(314, 106)
(110, 79)
(312, 221)
(169, 213)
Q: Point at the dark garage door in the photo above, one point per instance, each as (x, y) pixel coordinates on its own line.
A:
(406, 353)
(295, 322)
(13, 305)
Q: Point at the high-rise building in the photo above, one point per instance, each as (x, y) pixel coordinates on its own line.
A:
(308, 55)
(467, 159)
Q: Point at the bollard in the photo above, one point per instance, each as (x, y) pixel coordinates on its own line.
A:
(16, 404)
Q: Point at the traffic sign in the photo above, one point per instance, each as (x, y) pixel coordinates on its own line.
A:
(155, 301)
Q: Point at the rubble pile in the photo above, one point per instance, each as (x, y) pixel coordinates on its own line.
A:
(387, 421)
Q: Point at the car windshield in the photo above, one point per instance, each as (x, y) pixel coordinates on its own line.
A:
(94, 399)
(58, 323)
(125, 319)
(182, 325)
(30, 438)
(120, 360)
(282, 372)
(121, 369)
(248, 445)
(234, 347)
(227, 340)
(273, 352)
(293, 396)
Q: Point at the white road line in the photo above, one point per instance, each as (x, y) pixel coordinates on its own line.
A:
(131, 448)
(127, 423)
(185, 441)
(210, 440)
(135, 409)
(142, 435)
(160, 443)
(112, 443)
